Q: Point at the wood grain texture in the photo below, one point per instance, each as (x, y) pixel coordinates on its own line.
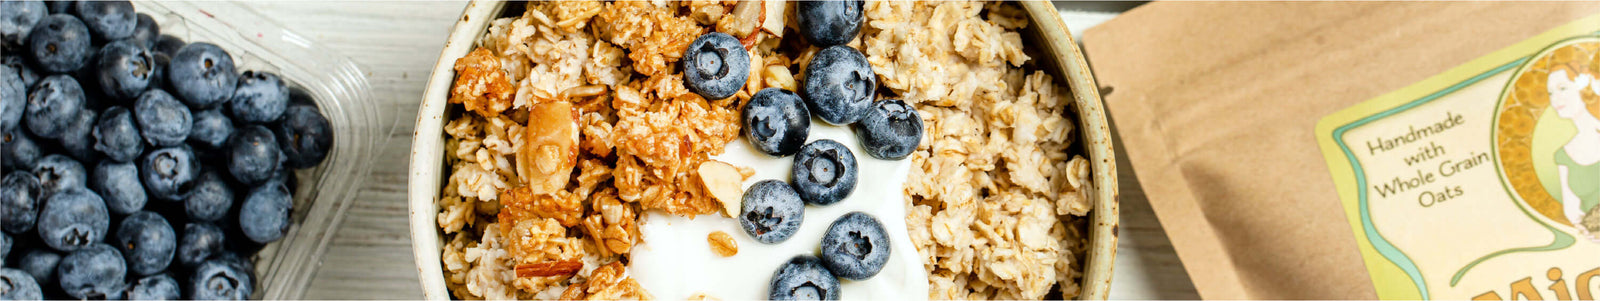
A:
(397, 44)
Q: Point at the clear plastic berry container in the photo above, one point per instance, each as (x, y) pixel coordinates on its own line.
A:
(285, 268)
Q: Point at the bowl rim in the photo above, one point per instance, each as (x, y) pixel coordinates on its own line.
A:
(427, 150)
(1099, 265)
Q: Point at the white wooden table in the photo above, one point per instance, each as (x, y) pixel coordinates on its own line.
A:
(397, 43)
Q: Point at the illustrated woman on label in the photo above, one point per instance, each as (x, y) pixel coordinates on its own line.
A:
(1578, 161)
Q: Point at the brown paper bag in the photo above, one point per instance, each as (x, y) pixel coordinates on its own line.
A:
(1216, 104)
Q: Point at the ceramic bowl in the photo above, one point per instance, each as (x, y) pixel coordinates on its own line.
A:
(1050, 44)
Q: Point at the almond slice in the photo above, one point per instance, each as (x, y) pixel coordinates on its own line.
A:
(724, 182)
(550, 147)
(743, 21)
(549, 268)
(772, 20)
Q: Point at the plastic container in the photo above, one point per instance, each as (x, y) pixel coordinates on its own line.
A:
(285, 268)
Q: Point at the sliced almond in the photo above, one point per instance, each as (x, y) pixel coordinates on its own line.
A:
(723, 181)
(743, 21)
(549, 268)
(772, 21)
(550, 146)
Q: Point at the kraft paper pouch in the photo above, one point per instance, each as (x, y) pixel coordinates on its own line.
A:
(1395, 150)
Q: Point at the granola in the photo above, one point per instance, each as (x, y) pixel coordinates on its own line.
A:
(656, 36)
(574, 121)
(552, 172)
(480, 85)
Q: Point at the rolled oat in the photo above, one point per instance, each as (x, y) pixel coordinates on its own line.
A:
(722, 244)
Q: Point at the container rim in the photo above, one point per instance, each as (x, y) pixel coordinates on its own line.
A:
(427, 147)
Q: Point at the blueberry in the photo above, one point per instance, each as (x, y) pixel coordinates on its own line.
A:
(162, 120)
(211, 129)
(116, 135)
(235, 261)
(155, 287)
(803, 278)
(890, 131)
(17, 150)
(824, 172)
(202, 74)
(828, 23)
(58, 172)
(20, 199)
(305, 136)
(264, 216)
(13, 97)
(167, 44)
(118, 184)
(260, 97)
(839, 86)
(770, 211)
(108, 20)
(220, 279)
(73, 219)
(776, 122)
(145, 30)
(147, 242)
(95, 272)
(19, 285)
(124, 69)
(59, 43)
(168, 173)
(715, 66)
(29, 77)
(855, 247)
(52, 104)
(200, 242)
(17, 19)
(253, 154)
(210, 198)
(41, 264)
(77, 139)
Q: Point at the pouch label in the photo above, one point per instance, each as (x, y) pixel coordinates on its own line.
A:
(1482, 182)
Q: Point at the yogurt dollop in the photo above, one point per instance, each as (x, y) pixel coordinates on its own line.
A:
(674, 261)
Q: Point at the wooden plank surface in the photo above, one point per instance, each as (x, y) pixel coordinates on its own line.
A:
(397, 43)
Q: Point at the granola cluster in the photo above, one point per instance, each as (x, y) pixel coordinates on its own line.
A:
(481, 87)
(992, 182)
(573, 121)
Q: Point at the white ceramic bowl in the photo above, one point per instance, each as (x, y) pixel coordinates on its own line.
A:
(1061, 58)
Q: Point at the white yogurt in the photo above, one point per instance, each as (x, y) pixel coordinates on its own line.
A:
(675, 262)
